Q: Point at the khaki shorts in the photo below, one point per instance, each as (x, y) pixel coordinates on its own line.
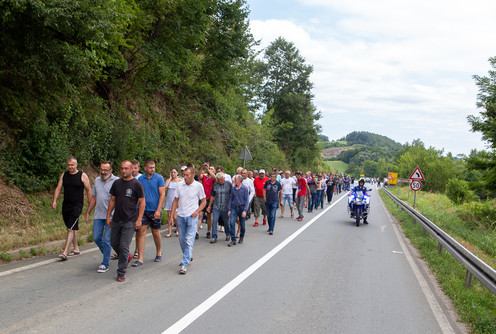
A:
(259, 204)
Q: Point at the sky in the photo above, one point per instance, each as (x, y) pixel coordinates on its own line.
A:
(401, 69)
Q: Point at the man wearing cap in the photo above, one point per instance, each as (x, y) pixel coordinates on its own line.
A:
(258, 200)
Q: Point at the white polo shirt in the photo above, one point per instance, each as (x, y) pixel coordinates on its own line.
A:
(189, 196)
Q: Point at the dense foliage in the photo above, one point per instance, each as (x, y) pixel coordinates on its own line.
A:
(485, 123)
(173, 80)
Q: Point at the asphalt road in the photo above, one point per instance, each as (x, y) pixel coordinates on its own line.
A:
(321, 275)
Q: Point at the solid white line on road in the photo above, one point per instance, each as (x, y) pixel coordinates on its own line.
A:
(212, 300)
(440, 316)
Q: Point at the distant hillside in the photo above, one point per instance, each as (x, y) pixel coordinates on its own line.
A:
(372, 139)
(359, 147)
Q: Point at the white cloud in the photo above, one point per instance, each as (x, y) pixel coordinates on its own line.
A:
(408, 64)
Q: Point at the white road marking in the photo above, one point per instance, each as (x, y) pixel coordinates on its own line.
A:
(217, 296)
(429, 295)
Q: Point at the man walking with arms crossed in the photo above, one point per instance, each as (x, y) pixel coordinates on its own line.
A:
(187, 196)
(127, 193)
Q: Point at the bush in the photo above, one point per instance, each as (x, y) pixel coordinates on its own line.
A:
(458, 191)
(481, 213)
(6, 257)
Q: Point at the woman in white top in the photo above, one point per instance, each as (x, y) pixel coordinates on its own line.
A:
(171, 185)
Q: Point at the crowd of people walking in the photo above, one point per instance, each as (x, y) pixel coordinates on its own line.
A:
(190, 197)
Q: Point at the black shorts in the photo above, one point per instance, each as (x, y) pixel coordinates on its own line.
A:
(206, 205)
(149, 219)
(71, 216)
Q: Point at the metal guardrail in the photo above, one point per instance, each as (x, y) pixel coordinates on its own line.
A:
(484, 273)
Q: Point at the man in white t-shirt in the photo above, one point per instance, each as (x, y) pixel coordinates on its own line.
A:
(287, 184)
(186, 198)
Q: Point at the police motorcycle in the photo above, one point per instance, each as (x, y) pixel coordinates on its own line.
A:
(359, 203)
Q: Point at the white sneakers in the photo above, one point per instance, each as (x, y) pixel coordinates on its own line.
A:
(102, 269)
(182, 271)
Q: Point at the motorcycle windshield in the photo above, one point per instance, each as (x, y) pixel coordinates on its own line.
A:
(359, 194)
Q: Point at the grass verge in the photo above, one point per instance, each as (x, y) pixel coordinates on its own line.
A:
(339, 166)
(475, 305)
(29, 236)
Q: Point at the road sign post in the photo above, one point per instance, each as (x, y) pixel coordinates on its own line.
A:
(245, 155)
(415, 185)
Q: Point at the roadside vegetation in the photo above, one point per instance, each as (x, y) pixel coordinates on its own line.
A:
(476, 305)
(339, 167)
(176, 81)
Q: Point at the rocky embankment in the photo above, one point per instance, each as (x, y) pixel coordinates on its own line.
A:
(333, 152)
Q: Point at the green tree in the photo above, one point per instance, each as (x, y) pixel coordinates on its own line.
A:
(287, 96)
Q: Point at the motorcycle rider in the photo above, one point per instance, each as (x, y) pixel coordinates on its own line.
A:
(354, 190)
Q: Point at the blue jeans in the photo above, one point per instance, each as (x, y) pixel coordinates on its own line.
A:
(319, 200)
(311, 201)
(236, 211)
(271, 214)
(101, 236)
(215, 222)
(187, 231)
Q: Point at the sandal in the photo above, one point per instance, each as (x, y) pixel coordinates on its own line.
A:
(168, 235)
(177, 233)
(63, 257)
(281, 216)
(292, 215)
(74, 253)
(158, 258)
(136, 255)
(114, 257)
(137, 264)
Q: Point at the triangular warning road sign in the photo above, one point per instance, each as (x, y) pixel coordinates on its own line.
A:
(390, 176)
(417, 175)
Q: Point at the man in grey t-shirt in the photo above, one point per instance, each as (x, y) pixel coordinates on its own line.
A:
(219, 199)
(99, 201)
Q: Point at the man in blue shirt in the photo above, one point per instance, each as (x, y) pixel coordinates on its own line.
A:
(154, 189)
(239, 202)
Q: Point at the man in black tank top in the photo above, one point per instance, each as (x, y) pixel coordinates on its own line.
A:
(74, 183)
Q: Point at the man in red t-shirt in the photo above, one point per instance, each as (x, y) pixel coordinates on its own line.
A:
(207, 181)
(302, 192)
(258, 200)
